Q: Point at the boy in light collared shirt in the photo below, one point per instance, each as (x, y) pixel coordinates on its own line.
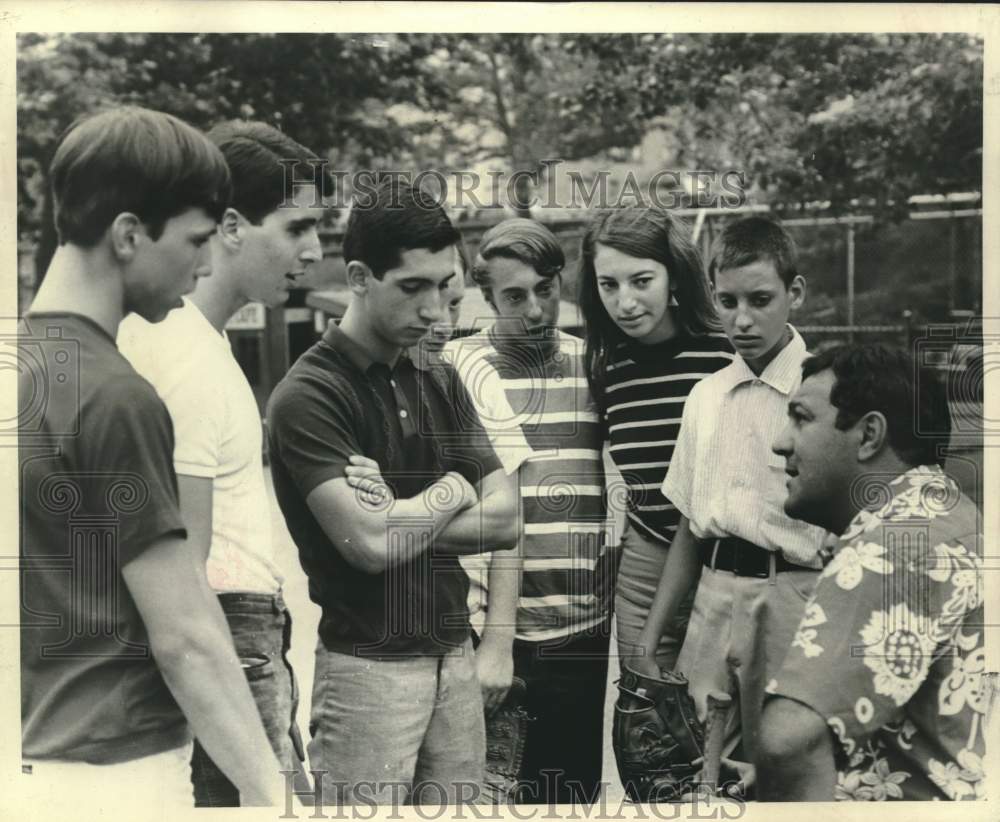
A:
(754, 567)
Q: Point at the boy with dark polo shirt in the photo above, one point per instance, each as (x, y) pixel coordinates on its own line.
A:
(384, 477)
(123, 646)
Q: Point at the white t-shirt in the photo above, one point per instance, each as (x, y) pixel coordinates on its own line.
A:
(218, 435)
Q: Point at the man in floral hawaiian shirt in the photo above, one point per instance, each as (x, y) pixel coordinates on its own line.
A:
(889, 655)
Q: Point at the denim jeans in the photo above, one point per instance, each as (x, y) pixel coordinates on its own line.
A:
(403, 731)
(262, 630)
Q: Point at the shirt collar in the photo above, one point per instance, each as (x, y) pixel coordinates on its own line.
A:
(357, 355)
(917, 477)
(783, 373)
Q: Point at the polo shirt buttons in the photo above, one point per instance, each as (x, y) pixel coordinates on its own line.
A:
(403, 414)
(392, 383)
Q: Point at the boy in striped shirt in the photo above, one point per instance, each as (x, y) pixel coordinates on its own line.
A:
(527, 381)
(754, 567)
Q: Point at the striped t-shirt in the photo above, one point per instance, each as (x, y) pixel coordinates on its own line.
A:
(646, 388)
(537, 408)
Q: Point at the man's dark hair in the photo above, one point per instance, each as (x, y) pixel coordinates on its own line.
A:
(392, 218)
(267, 167)
(521, 239)
(878, 378)
(750, 239)
(133, 160)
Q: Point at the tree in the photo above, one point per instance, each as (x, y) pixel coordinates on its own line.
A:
(328, 91)
(811, 118)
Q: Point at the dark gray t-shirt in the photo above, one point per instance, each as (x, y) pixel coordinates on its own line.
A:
(97, 488)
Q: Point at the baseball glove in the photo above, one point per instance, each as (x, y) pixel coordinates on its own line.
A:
(506, 734)
(656, 736)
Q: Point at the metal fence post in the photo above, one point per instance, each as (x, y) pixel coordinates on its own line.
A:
(850, 281)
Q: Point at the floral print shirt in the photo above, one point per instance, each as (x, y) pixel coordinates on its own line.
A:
(890, 647)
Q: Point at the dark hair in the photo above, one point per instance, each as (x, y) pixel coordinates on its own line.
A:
(133, 160)
(874, 377)
(519, 239)
(392, 218)
(646, 233)
(263, 179)
(750, 239)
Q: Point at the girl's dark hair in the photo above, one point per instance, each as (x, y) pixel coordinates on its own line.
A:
(646, 233)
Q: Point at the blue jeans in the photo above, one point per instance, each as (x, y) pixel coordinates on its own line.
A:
(403, 731)
(262, 630)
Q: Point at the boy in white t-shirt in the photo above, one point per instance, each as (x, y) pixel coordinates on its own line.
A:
(266, 239)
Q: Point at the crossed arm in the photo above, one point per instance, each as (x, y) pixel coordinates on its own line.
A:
(356, 511)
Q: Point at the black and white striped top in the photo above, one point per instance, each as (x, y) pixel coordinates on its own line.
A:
(646, 388)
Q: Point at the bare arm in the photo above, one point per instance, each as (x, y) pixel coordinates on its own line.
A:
(795, 762)
(357, 524)
(494, 657)
(194, 651)
(490, 525)
(680, 574)
(195, 496)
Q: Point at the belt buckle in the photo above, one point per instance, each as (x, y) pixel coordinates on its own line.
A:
(742, 569)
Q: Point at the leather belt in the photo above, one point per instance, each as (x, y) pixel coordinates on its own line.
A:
(744, 559)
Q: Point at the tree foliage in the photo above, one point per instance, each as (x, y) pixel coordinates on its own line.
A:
(811, 118)
(832, 118)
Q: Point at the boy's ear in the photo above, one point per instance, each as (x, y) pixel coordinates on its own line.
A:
(357, 276)
(125, 233)
(797, 291)
(231, 228)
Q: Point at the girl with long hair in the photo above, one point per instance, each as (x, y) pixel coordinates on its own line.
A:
(651, 334)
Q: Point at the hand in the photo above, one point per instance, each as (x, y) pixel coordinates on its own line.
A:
(365, 477)
(495, 666)
(605, 576)
(645, 665)
(735, 777)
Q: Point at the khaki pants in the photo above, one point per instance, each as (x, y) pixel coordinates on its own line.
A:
(740, 630)
(638, 577)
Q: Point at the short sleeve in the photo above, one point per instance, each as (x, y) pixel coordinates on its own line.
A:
(130, 436)
(312, 429)
(471, 453)
(677, 485)
(485, 390)
(197, 408)
(876, 622)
